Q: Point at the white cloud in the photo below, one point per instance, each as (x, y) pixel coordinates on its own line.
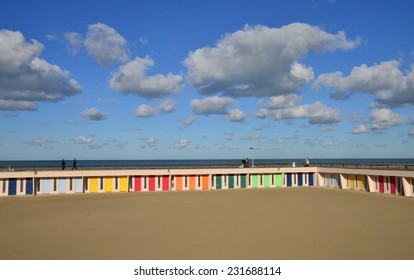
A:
(250, 137)
(106, 45)
(262, 113)
(84, 140)
(74, 42)
(87, 141)
(211, 105)
(181, 144)
(145, 110)
(385, 118)
(316, 113)
(131, 78)
(41, 141)
(261, 61)
(360, 129)
(186, 122)
(283, 101)
(12, 105)
(25, 78)
(167, 106)
(236, 115)
(385, 81)
(149, 142)
(93, 114)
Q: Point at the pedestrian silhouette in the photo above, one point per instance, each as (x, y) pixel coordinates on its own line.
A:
(75, 165)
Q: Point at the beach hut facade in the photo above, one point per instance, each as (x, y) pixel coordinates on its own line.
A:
(108, 181)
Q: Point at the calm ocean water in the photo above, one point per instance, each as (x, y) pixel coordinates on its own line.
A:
(88, 164)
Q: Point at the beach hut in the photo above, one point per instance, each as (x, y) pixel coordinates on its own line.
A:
(138, 185)
(289, 179)
(205, 182)
(12, 190)
(381, 184)
(165, 183)
(192, 182)
(243, 181)
(231, 181)
(255, 180)
(77, 184)
(218, 181)
(311, 179)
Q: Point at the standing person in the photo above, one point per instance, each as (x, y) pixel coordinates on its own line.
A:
(307, 162)
(75, 165)
(63, 164)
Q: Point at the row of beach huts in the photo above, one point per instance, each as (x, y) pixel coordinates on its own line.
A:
(51, 182)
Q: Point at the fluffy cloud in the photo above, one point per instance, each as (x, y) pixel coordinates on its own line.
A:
(25, 78)
(86, 141)
(385, 118)
(106, 45)
(360, 129)
(283, 101)
(93, 114)
(149, 142)
(236, 115)
(181, 144)
(385, 81)
(211, 105)
(186, 122)
(131, 78)
(316, 113)
(145, 110)
(74, 42)
(260, 61)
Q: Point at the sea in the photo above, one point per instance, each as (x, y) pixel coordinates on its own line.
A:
(194, 163)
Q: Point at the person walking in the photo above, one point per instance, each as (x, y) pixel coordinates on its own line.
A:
(307, 162)
(75, 165)
(63, 164)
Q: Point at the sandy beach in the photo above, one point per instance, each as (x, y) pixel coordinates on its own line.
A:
(286, 223)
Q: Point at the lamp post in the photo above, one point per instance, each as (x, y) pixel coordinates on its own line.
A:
(252, 148)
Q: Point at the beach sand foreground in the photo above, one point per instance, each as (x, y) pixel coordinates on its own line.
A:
(286, 223)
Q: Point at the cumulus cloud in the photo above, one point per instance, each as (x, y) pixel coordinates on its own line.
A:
(316, 113)
(74, 42)
(360, 129)
(41, 141)
(25, 78)
(87, 142)
(145, 110)
(181, 144)
(211, 105)
(385, 81)
(384, 118)
(186, 122)
(93, 114)
(236, 115)
(149, 142)
(131, 78)
(106, 45)
(261, 61)
(283, 101)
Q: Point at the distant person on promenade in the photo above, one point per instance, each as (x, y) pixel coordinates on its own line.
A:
(307, 162)
(63, 164)
(75, 164)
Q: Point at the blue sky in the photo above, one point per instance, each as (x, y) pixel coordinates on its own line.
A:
(206, 79)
